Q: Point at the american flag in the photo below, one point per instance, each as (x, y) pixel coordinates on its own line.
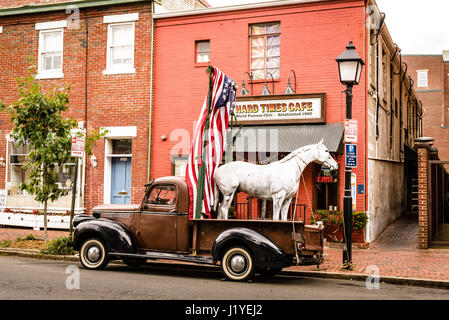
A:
(223, 102)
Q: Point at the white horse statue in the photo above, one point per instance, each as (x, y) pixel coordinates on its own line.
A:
(278, 181)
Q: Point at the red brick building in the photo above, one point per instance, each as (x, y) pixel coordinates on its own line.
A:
(431, 76)
(280, 37)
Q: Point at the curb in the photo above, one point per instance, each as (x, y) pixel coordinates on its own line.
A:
(443, 284)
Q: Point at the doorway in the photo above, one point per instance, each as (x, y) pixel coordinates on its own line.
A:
(121, 180)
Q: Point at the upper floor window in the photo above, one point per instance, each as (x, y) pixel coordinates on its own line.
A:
(120, 44)
(265, 50)
(422, 78)
(50, 56)
(202, 51)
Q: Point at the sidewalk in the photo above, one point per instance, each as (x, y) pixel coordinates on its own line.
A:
(12, 233)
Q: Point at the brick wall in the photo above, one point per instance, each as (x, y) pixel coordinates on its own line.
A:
(312, 36)
(435, 98)
(424, 221)
(110, 100)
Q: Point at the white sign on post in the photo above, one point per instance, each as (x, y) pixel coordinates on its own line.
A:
(78, 147)
(350, 131)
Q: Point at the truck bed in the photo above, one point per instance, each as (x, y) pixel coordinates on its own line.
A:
(279, 232)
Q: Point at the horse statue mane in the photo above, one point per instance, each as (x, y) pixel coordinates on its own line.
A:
(278, 180)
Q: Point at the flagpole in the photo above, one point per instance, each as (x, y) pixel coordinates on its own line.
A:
(202, 167)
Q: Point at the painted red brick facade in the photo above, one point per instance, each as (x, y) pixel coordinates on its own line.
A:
(312, 36)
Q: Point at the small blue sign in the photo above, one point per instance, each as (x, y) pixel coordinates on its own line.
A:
(360, 189)
(351, 156)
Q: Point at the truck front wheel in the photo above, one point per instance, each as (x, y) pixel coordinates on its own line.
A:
(238, 264)
(93, 254)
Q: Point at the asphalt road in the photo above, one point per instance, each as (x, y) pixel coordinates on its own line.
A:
(26, 278)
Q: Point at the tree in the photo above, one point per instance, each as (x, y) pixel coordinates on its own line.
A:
(38, 121)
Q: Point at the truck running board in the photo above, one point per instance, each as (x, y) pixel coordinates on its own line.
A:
(165, 256)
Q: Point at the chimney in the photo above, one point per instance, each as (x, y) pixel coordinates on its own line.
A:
(445, 55)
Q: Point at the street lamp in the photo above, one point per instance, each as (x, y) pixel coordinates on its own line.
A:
(350, 67)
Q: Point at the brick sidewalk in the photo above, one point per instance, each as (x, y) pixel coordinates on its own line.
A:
(11, 233)
(423, 264)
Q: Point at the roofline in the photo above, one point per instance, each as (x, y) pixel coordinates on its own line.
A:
(421, 55)
(62, 6)
(232, 8)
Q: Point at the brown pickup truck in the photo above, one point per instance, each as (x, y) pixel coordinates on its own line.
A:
(160, 228)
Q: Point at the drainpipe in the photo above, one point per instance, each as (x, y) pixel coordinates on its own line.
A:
(377, 73)
(150, 123)
(392, 73)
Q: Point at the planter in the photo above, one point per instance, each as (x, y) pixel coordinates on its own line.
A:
(34, 221)
(334, 233)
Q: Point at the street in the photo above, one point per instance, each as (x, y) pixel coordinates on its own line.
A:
(25, 278)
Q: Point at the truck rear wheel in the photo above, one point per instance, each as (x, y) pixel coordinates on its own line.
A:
(238, 264)
(93, 254)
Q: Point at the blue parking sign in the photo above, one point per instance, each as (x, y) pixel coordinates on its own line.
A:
(351, 156)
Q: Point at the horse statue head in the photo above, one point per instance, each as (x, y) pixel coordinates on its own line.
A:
(323, 156)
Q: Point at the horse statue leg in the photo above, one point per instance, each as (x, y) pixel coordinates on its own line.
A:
(224, 207)
(284, 209)
(278, 199)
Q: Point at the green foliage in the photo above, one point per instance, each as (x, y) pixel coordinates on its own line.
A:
(359, 219)
(30, 237)
(5, 243)
(58, 246)
(38, 122)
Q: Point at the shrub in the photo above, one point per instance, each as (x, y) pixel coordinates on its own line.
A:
(359, 219)
(58, 246)
(5, 243)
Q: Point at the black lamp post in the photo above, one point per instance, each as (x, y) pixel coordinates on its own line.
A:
(350, 67)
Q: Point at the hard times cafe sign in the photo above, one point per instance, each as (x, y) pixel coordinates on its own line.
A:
(281, 109)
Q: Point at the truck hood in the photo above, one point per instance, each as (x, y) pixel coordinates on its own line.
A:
(117, 208)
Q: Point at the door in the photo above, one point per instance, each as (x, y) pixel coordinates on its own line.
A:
(121, 180)
(158, 219)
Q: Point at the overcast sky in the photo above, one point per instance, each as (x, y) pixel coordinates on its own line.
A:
(417, 26)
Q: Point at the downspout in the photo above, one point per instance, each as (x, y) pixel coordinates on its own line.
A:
(377, 73)
(392, 73)
(150, 123)
(401, 84)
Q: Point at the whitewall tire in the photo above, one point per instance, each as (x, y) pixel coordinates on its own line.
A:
(238, 264)
(93, 254)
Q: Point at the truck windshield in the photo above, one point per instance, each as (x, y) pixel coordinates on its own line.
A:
(162, 195)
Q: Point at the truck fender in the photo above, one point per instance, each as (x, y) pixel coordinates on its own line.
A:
(266, 253)
(115, 235)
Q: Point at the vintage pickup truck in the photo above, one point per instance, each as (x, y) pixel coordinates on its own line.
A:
(160, 228)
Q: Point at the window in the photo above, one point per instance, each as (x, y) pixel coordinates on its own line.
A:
(422, 79)
(265, 50)
(120, 55)
(164, 195)
(202, 51)
(50, 54)
(179, 165)
(18, 175)
(120, 44)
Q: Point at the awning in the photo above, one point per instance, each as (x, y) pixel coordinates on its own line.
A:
(286, 138)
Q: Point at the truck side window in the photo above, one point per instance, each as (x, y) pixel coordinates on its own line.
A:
(164, 195)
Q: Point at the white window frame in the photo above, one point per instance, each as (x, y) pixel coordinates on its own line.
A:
(419, 79)
(1, 29)
(118, 20)
(44, 27)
